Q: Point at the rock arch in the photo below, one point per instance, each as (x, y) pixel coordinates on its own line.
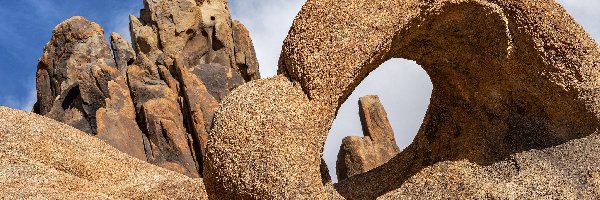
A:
(508, 76)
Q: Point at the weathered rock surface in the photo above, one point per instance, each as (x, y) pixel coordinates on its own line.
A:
(358, 155)
(568, 171)
(278, 113)
(245, 56)
(44, 159)
(204, 34)
(162, 121)
(139, 99)
(508, 76)
(78, 84)
(123, 52)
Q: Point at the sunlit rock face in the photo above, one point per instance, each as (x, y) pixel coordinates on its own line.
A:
(358, 155)
(515, 103)
(508, 76)
(154, 98)
(78, 83)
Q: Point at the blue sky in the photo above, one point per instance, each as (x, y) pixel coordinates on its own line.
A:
(26, 26)
(403, 87)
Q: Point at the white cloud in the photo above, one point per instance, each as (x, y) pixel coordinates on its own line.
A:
(268, 22)
(19, 103)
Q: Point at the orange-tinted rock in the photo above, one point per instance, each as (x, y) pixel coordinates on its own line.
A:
(123, 52)
(508, 76)
(158, 111)
(205, 36)
(360, 154)
(116, 121)
(198, 104)
(245, 56)
(201, 35)
(78, 84)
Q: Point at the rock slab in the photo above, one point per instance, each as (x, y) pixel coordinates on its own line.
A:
(358, 155)
(41, 158)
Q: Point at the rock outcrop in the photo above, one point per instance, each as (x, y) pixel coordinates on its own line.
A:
(155, 98)
(358, 155)
(515, 105)
(41, 158)
(281, 124)
(79, 84)
(508, 76)
(567, 171)
(123, 52)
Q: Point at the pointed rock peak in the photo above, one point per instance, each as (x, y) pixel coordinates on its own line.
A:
(358, 155)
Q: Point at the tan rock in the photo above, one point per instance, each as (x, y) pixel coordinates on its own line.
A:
(173, 103)
(360, 154)
(204, 34)
(143, 39)
(43, 159)
(199, 104)
(167, 143)
(262, 144)
(123, 52)
(330, 191)
(116, 122)
(78, 84)
(201, 33)
(245, 56)
(508, 76)
(567, 171)
(79, 81)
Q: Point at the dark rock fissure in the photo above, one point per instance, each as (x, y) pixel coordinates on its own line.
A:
(71, 96)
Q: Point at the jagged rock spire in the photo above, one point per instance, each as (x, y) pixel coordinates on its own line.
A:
(154, 98)
(361, 154)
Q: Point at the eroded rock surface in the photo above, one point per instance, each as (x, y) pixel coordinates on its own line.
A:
(358, 155)
(154, 98)
(235, 166)
(123, 52)
(568, 171)
(41, 158)
(79, 84)
(508, 76)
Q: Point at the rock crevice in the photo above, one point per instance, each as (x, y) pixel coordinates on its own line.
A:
(154, 98)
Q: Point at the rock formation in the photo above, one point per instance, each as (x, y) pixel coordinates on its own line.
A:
(236, 160)
(154, 99)
(358, 155)
(123, 52)
(41, 158)
(78, 83)
(567, 171)
(514, 112)
(508, 76)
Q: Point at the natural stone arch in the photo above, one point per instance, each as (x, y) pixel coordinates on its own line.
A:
(508, 76)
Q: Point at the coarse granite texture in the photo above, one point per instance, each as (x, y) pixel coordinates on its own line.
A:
(44, 159)
(508, 76)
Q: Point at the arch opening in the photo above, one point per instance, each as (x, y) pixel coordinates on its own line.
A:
(403, 88)
(493, 94)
